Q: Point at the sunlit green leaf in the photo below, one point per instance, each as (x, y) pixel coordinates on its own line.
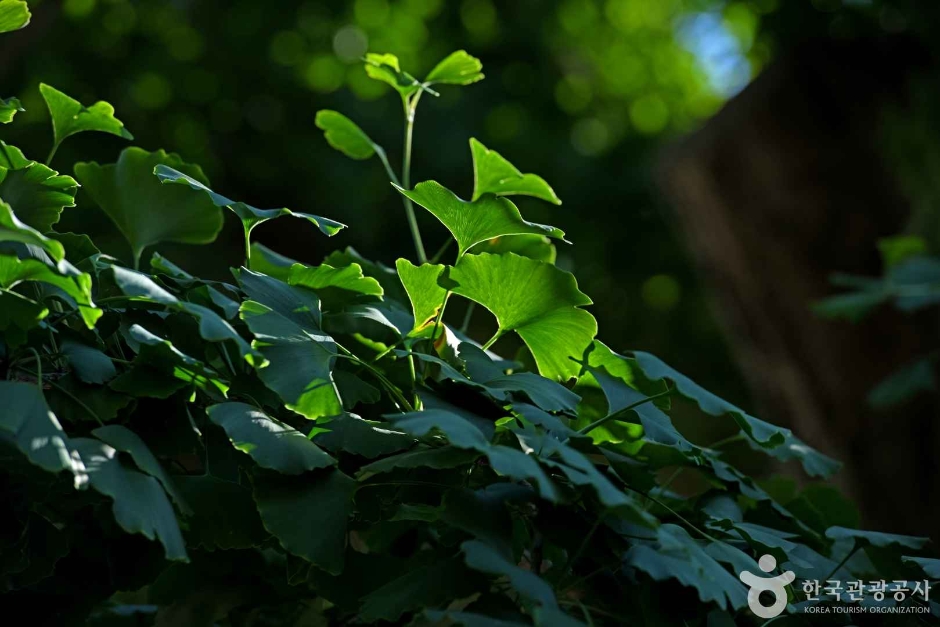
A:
(37, 193)
(14, 14)
(336, 287)
(425, 294)
(538, 247)
(548, 320)
(385, 68)
(9, 106)
(13, 230)
(145, 211)
(345, 135)
(473, 222)
(65, 277)
(69, 116)
(270, 442)
(457, 68)
(492, 174)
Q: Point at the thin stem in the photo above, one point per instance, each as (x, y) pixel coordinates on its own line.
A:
(440, 251)
(52, 152)
(247, 247)
(64, 391)
(467, 316)
(577, 554)
(400, 483)
(38, 367)
(492, 340)
(619, 414)
(673, 512)
(137, 252)
(848, 555)
(391, 387)
(410, 107)
(737, 437)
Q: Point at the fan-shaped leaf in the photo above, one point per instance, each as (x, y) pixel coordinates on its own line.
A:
(457, 68)
(14, 14)
(69, 116)
(482, 557)
(27, 420)
(308, 515)
(351, 434)
(776, 441)
(536, 247)
(250, 216)
(9, 107)
(548, 320)
(145, 211)
(385, 68)
(425, 294)
(12, 230)
(64, 276)
(876, 538)
(126, 441)
(37, 193)
(89, 364)
(345, 135)
(270, 442)
(492, 174)
(140, 504)
(473, 222)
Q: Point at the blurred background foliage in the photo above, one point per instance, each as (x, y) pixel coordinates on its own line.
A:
(582, 92)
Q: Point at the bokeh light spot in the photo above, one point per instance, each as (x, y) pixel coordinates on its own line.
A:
(151, 91)
(287, 47)
(661, 292)
(350, 43)
(590, 137)
(324, 74)
(649, 114)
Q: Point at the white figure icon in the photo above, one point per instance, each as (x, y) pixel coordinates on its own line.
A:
(777, 585)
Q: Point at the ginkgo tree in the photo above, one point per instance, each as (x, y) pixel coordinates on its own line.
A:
(324, 444)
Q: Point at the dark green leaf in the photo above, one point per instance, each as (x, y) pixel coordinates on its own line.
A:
(484, 558)
(421, 457)
(308, 515)
(90, 364)
(439, 582)
(140, 504)
(250, 216)
(351, 434)
(876, 538)
(270, 442)
(225, 514)
(145, 211)
(903, 385)
(126, 441)
(27, 420)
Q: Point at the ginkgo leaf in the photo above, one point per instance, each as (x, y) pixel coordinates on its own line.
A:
(145, 211)
(270, 442)
(9, 107)
(250, 216)
(273, 264)
(493, 174)
(65, 277)
(776, 441)
(385, 68)
(27, 420)
(484, 558)
(457, 68)
(69, 116)
(548, 319)
(425, 294)
(323, 277)
(536, 247)
(12, 230)
(285, 321)
(140, 503)
(473, 222)
(37, 193)
(345, 135)
(14, 14)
